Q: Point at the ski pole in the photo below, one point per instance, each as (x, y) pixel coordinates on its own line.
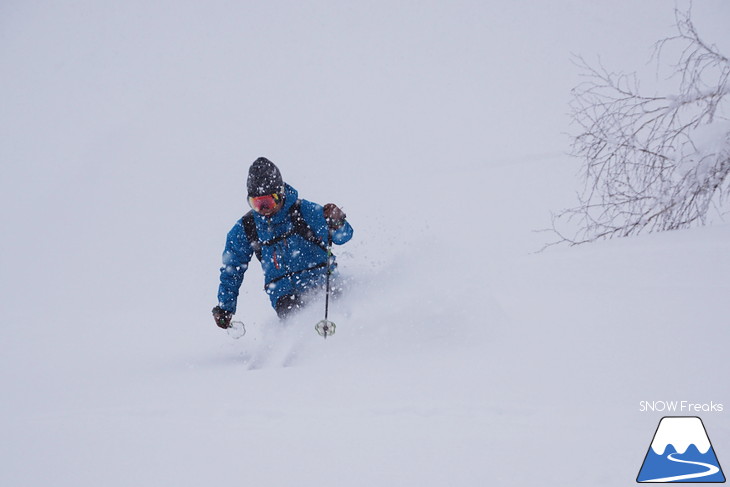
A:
(329, 273)
(325, 326)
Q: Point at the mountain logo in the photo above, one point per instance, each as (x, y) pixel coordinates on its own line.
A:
(681, 452)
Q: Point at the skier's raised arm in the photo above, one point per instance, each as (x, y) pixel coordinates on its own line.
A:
(328, 218)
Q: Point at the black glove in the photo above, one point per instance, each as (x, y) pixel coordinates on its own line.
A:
(334, 216)
(222, 317)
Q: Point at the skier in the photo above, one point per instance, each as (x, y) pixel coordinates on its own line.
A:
(289, 237)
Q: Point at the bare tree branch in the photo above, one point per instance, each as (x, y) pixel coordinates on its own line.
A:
(651, 163)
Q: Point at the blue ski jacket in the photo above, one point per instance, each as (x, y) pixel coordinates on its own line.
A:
(292, 265)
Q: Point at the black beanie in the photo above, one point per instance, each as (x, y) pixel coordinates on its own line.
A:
(264, 178)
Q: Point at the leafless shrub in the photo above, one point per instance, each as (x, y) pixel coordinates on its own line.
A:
(651, 163)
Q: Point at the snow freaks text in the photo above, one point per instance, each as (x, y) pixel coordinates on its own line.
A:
(680, 407)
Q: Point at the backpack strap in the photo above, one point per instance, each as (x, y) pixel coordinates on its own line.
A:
(302, 228)
(249, 226)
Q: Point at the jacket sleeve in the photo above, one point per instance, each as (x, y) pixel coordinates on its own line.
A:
(314, 215)
(236, 257)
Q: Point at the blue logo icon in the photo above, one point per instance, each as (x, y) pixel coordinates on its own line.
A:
(681, 452)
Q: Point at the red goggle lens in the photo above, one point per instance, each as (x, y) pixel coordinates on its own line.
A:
(265, 205)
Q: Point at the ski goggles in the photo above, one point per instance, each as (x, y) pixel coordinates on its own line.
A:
(266, 205)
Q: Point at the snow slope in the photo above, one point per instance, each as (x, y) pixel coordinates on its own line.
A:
(461, 357)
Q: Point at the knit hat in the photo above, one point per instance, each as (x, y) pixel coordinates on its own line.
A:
(264, 178)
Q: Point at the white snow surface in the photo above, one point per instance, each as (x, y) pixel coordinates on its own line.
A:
(461, 356)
